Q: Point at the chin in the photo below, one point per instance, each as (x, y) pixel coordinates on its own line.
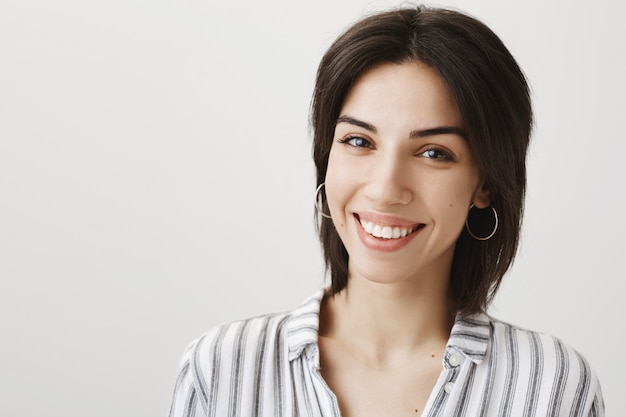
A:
(382, 274)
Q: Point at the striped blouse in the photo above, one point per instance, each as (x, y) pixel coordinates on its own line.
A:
(269, 366)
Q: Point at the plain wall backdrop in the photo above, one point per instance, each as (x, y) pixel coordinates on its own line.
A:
(156, 180)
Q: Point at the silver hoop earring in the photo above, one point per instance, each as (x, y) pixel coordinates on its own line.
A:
(494, 221)
(317, 201)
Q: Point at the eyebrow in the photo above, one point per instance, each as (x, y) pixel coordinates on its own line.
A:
(439, 130)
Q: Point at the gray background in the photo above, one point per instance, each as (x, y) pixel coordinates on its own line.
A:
(156, 180)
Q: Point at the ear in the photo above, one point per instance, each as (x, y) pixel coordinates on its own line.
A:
(482, 196)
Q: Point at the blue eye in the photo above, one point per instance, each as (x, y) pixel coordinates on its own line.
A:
(356, 141)
(438, 154)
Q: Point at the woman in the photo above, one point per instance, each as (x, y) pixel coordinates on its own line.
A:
(421, 123)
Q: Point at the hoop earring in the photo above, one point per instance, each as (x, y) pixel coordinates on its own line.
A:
(495, 224)
(317, 201)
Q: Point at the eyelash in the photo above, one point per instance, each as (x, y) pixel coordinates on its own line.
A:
(439, 153)
(348, 139)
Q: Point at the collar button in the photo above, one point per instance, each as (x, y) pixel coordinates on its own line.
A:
(455, 360)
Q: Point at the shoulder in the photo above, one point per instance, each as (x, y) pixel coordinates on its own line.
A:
(230, 340)
(548, 363)
(283, 334)
(530, 346)
(243, 356)
(226, 353)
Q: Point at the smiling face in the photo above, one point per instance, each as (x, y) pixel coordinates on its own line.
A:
(401, 176)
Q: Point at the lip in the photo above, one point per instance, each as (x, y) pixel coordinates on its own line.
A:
(382, 244)
(386, 219)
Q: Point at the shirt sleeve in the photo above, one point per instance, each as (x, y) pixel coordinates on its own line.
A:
(185, 398)
(597, 404)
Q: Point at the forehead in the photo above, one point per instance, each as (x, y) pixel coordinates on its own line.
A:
(410, 94)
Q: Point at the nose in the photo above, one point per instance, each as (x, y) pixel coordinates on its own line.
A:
(388, 181)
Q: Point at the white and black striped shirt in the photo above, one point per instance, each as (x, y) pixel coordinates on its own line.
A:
(269, 366)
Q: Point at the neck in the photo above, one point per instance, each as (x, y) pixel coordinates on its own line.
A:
(384, 320)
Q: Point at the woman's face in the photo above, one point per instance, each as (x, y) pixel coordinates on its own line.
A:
(401, 176)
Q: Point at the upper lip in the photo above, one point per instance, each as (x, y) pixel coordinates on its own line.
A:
(386, 219)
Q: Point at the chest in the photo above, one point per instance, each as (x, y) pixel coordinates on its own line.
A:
(363, 391)
(418, 387)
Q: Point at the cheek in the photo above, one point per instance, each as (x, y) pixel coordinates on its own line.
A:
(335, 186)
(460, 196)
(342, 185)
(451, 198)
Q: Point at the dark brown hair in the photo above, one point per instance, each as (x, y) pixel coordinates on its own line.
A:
(493, 97)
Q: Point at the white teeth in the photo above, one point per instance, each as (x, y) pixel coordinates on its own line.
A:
(385, 232)
(369, 227)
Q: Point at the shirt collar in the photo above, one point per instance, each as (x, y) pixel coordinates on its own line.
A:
(470, 335)
(303, 325)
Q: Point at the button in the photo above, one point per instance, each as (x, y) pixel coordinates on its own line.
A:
(455, 360)
(448, 387)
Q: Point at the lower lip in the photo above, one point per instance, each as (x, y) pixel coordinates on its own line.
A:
(380, 244)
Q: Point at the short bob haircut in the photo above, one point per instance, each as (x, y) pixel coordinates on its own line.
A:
(493, 97)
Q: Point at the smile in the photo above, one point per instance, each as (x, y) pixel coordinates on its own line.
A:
(383, 231)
